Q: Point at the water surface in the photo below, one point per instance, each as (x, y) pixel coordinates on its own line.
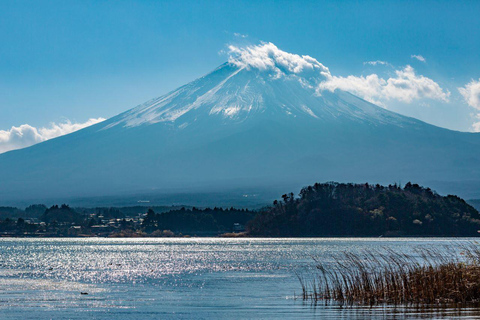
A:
(187, 278)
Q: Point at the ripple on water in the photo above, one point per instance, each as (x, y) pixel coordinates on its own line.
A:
(180, 278)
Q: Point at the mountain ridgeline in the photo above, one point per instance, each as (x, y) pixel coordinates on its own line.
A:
(244, 126)
(339, 209)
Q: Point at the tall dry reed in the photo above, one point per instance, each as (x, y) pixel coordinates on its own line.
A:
(376, 277)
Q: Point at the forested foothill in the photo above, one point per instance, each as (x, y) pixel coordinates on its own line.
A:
(320, 210)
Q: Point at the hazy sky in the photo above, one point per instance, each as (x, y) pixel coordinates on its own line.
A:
(73, 61)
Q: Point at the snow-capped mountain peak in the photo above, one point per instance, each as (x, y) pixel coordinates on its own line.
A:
(256, 121)
(257, 81)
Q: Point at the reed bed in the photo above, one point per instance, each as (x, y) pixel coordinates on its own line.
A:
(429, 277)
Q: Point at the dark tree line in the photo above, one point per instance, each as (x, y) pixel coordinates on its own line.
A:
(196, 220)
(61, 213)
(338, 209)
(324, 209)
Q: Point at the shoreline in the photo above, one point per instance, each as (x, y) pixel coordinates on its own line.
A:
(241, 237)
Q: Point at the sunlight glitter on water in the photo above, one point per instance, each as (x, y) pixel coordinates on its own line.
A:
(178, 278)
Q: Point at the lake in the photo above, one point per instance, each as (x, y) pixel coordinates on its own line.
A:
(184, 278)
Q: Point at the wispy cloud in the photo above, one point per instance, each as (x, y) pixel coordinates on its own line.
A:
(27, 135)
(406, 86)
(377, 62)
(471, 94)
(369, 87)
(418, 57)
(239, 35)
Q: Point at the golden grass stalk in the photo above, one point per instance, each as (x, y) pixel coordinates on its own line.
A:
(431, 277)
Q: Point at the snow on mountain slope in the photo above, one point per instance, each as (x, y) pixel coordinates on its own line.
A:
(256, 121)
(256, 80)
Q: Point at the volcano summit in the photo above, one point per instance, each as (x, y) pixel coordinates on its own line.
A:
(260, 120)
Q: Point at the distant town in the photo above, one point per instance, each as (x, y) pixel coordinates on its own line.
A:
(64, 221)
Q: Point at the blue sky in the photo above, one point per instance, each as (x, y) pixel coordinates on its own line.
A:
(77, 60)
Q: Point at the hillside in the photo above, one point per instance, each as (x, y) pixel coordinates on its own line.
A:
(244, 127)
(337, 209)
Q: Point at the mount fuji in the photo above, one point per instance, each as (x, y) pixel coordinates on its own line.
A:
(257, 122)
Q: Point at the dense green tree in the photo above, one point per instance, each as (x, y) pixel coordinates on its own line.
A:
(339, 209)
(35, 210)
(196, 220)
(62, 214)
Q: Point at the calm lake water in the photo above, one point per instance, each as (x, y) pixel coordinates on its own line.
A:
(195, 278)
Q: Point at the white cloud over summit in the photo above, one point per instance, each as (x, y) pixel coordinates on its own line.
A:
(268, 57)
(406, 86)
(26, 135)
